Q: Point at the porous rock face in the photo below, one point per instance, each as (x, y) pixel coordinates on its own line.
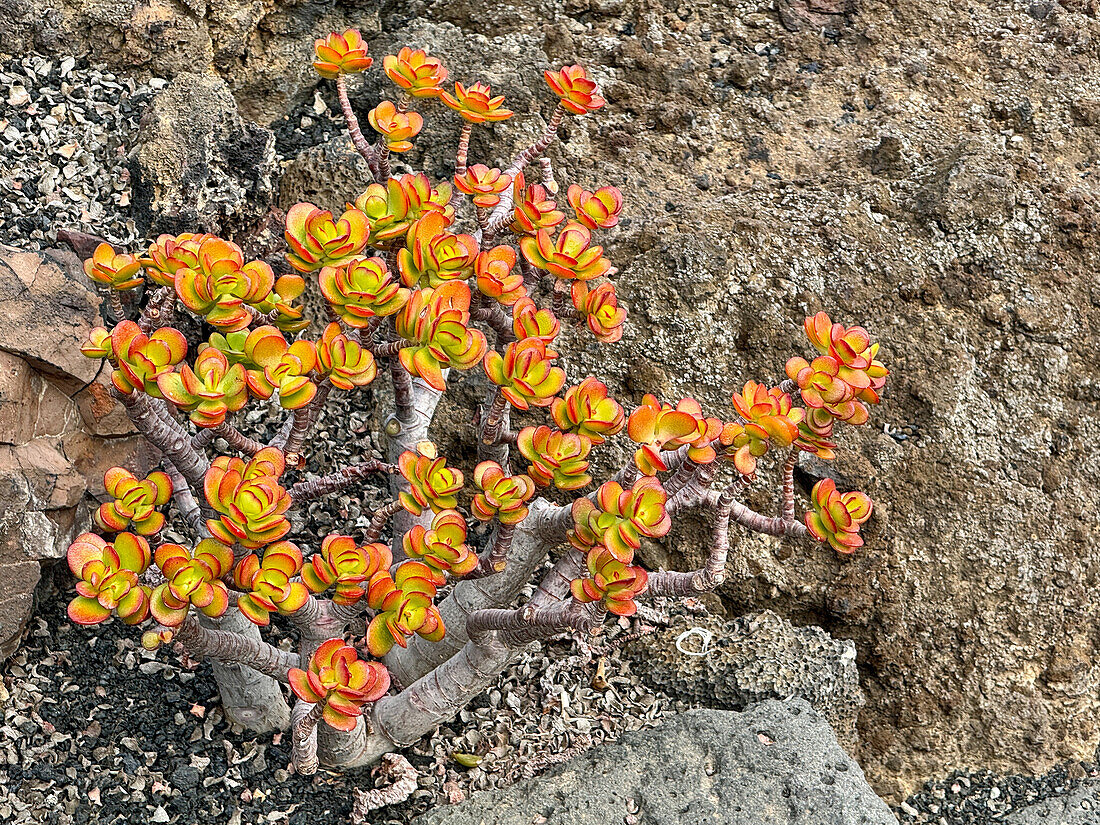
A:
(261, 47)
(920, 168)
(778, 762)
(59, 428)
(733, 664)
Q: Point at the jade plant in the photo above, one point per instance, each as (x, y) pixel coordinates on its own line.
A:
(427, 283)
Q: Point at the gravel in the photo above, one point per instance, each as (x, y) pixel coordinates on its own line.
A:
(65, 130)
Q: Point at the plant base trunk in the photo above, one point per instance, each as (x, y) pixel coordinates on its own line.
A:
(248, 698)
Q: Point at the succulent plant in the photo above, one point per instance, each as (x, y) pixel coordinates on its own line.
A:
(391, 208)
(135, 501)
(346, 565)
(362, 289)
(341, 682)
(168, 254)
(619, 518)
(556, 458)
(528, 321)
(483, 183)
(576, 90)
(344, 362)
(836, 517)
(525, 374)
(532, 209)
(599, 209)
(118, 271)
(397, 128)
(476, 103)
(316, 239)
(600, 309)
(281, 366)
(503, 497)
(107, 578)
(140, 359)
(497, 277)
(588, 410)
(341, 54)
(267, 586)
(207, 391)
(655, 426)
(403, 606)
(432, 255)
(415, 72)
(768, 419)
(443, 547)
(221, 285)
(436, 323)
(431, 482)
(571, 255)
(251, 502)
(193, 578)
(610, 581)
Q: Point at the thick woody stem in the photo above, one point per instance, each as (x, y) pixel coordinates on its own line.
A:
(547, 168)
(114, 300)
(203, 438)
(494, 419)
(379, 520)
(303, 732)
(402, 392)
(496, 559)
(232, 648)
(772, 526)
(185, 500)
(384, 161)
(518, 627)
(305, 418)
(696, 582)
(788, 484)
(153, 421)
(463, 148)
(157, 310)
(555, 584)
(261, 318)
(235, 438)
(339, 480)
(388, 349)
(404, 776)
(498, 320)
(357, 139)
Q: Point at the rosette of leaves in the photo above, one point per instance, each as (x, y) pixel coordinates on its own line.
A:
(346, 565)
(476, 103)
(107, 578)
(556, 458)
(496, 275)
(194, 578)
(281, 366)
(502, 496)
(836, 517)
(403, 606)
(432, 255)
(141, 359)
(570, 256)
(655, 426)
(600, 309)
(619, 518)
(442, 547)
(769, 420)
(340, 681)
(577, 91)
(221, 285)
(120, 272)
(524, 373)
(528, 321)
(392, 208)
(266, 586)
(610, 581)
(599, 209)
(431, 482)
(397, 128)
(316, 239)
(362, 289)
(483, 183)
(287, 289)
(435, 322)
(99, 345)
(135, 501)
(533, 209)
(344, 362)
(587, 409)
(341, 54)
(168, 254)
(814, 434)
(251, 502)
(207, 391)
(415, 72)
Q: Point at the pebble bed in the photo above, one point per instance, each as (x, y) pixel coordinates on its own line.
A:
(95, 730)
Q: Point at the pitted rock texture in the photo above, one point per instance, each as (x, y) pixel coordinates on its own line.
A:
(733, 664)
(198, 165)
(778, 762)
(59, 428)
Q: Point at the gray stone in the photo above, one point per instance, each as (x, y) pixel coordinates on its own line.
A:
(750, 659)
(775, 763)
(1081, 806)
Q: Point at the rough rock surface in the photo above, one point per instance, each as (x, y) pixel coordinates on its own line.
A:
(778, 762)
(198, 166)
(733, 664)
(261, 47)
(59, 430)
(1080, 806)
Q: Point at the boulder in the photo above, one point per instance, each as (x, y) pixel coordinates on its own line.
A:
(59, 428)
(1081, 806)
(776, 762)
(198, 166)
(732, 664)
